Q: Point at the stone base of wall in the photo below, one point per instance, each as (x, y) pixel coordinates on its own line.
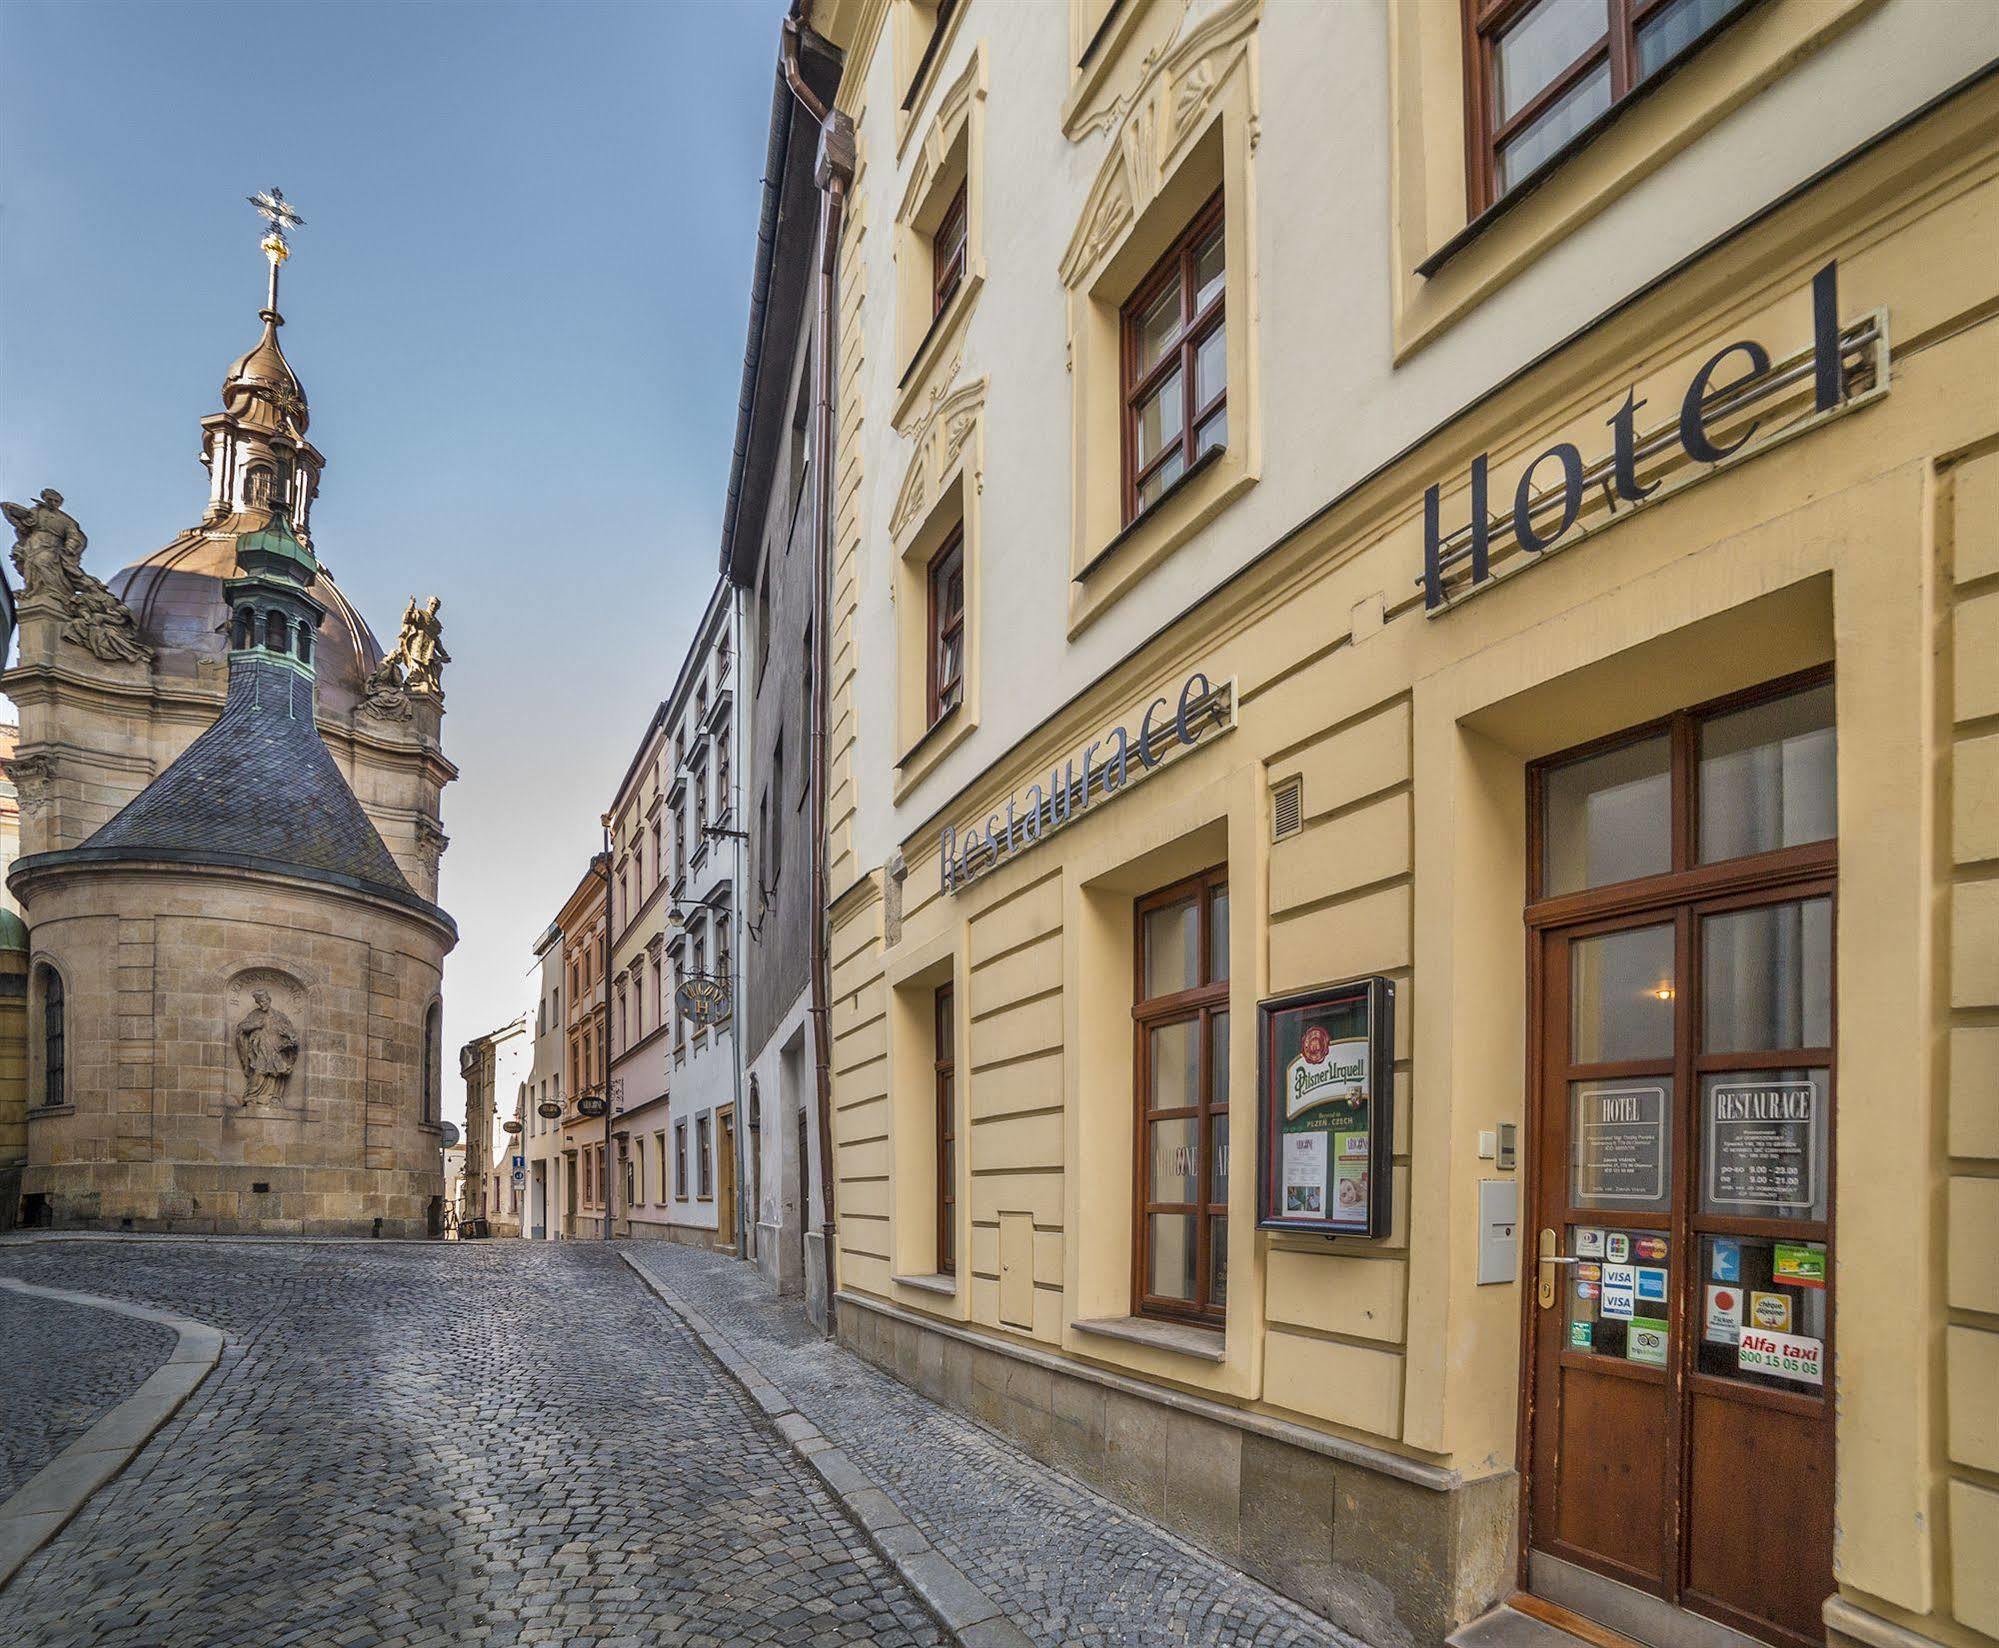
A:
(776, 1248)
(10, 1195)
(1399, 1553)
(222, 1199)
(649, 1230)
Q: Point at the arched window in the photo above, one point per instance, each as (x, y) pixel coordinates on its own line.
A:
(304, 642)
(432, 1024)
(276, 630)
(246, 627)
(54, 1070)
(257, 486)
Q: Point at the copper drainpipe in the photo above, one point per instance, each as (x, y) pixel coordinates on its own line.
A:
(833, 172)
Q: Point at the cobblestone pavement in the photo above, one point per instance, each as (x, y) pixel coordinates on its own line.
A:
(478, 1444)
(1068, 1566)
(66, 1364)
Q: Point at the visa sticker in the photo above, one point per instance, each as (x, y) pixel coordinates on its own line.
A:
(1727, 1259)
(1651, 1284)
(1619, 1293)
(1617, 1247)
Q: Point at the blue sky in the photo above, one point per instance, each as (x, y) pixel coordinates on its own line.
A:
(518, 309)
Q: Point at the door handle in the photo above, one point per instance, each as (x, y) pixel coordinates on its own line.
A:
(1548, 1259)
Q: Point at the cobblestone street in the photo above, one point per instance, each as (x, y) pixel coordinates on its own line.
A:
(426, 1445)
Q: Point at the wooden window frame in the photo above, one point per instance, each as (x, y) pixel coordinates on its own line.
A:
(949, 248)
(680, 1161)
(945, 1065)
(1484, 21)
(704, 1160)
(1196, 326)
(1198, 1005)
(941, 695)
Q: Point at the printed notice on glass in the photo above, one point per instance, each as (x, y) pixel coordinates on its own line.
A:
(1620, 1144)
(1305, 1161)
(1763, 1143)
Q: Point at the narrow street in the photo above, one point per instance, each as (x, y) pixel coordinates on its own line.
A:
(422, 1445)
(409, 1445)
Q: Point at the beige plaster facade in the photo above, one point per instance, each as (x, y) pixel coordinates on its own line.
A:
(1354, 1427)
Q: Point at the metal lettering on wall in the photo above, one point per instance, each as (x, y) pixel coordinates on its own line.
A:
(1202, 711)
(1558, 501)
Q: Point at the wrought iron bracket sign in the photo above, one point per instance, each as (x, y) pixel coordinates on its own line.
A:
(1741, 402)
(1109, 766)
(551, 1108)
(1326, 1097)
(703, 998)
(592, 1105)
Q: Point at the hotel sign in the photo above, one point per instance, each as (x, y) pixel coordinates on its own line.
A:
(1107, 767)
(1739, 403)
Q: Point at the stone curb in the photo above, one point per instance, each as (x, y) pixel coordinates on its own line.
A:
(972, 1617)
(45, 1503)
(30, 1238)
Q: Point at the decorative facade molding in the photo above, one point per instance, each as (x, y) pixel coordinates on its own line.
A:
(942, 432)
(1177, 85)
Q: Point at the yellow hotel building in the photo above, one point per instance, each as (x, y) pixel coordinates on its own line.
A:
(1414, 788)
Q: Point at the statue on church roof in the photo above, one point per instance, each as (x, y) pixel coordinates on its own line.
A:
(420, 650)
(48, 550)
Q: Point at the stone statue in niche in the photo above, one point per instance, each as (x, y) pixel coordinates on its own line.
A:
(267, 1048)
(48, 550)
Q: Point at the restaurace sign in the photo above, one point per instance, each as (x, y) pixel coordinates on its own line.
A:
(1110, 765)
(1559, 500)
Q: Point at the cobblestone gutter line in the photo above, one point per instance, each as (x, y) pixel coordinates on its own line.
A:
(55, 1493)
(971, 1615)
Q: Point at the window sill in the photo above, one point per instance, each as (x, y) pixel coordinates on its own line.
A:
(930, 732)
(1200, 466)
(37, 1112)
(945, 328)
(1182, 1339)
(937, 1282)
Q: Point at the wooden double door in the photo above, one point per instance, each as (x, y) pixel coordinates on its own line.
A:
(1679, 1335)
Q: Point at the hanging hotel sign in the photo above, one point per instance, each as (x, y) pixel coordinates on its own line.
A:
(1326, 1076)
(1739, 403)
(703, 998)
(1108, 766)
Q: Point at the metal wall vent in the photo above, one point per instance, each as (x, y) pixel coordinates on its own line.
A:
(1287, 808)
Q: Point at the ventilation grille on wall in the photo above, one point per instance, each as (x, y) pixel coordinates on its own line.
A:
(1287, 808)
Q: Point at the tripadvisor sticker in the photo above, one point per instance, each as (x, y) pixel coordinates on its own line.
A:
(1645, 1341)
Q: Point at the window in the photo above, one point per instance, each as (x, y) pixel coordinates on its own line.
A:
(680, 1160)
(659, 1157)
(54, 1063)
(946, 667)
(947, 253)
(624, 1020)
(763, 619)
(774, 832)
(724, 802)
(1541, 72)
(679, 1016)
(724, 959)
(947, 1136)
(432, 1075)
(276, 630)
(704, 1165)
(1175, 364)
(679, 851)
(658, 854)
(1182, 1064)
(700, 812)
(806, 680)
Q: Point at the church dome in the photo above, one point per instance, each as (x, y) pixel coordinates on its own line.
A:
(176, 595)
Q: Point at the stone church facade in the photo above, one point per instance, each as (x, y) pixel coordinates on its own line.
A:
(230, 843)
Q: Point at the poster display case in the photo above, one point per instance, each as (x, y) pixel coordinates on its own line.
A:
(1326, 1095)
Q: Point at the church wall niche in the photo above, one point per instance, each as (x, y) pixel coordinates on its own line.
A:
(264, 1014)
